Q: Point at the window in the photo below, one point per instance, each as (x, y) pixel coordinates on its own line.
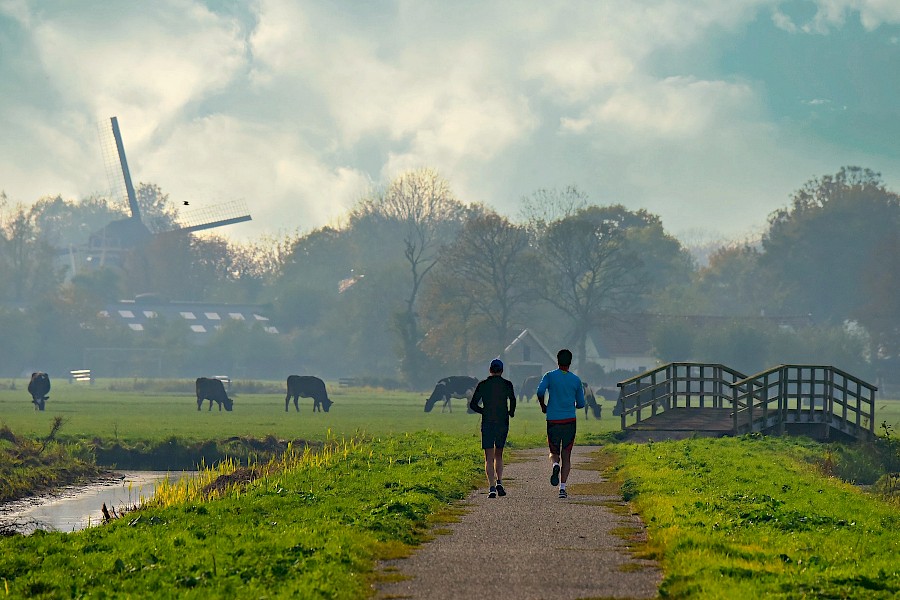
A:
(198, 328)
(187, 315)
(259, 317)
(271, 329)
(212, 316)
(236, 316)
(150, 314)
(136, 326)
(127, 314)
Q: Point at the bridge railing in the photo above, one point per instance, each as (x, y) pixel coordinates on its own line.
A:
(675, 385)
(803, 394)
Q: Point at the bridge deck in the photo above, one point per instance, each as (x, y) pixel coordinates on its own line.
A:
(688, 419)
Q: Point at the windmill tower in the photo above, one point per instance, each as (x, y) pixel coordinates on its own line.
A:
(109, 245)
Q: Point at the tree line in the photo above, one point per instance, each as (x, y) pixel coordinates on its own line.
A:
(417, 284)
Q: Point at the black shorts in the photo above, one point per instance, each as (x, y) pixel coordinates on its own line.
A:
(493, 434)
(560, 436)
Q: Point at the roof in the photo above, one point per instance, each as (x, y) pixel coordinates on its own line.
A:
(527, 335)
(204, 318)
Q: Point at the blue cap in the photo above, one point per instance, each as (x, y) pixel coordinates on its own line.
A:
(496, 366)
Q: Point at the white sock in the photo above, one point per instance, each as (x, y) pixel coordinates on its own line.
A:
(562, 485)
(555, 464)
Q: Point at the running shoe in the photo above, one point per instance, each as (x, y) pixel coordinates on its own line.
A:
(492, 493)
(554, 478)
(563, 494)
(500, 490)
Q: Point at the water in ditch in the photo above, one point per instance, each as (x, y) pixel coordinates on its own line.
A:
(76, 507)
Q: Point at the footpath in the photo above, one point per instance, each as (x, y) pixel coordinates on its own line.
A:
(530, 544)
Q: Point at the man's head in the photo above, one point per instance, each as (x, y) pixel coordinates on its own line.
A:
(564, 358)
(496, 366)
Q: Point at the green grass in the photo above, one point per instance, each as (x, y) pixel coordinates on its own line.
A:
(311, 530)
(27, 464)
(753, 517)
(128, 416)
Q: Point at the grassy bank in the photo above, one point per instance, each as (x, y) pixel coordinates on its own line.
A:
(28, 464)
(310, 525)
(760, 517)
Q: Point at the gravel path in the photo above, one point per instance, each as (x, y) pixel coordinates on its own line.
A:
(531, 544)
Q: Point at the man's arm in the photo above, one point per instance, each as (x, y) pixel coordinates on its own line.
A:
(512, 400)
(476, 398)
(579, 396)
(541, 389)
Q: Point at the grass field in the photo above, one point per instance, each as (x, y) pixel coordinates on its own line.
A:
(756, 517)
(98, 411)
(741, 517)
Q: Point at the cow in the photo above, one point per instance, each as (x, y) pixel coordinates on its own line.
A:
(212, 390)
(590, 401)
(39, 387)
(529, 387)
(455, 386)
(308, 387)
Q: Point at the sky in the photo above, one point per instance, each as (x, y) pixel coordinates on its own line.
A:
(708, 113)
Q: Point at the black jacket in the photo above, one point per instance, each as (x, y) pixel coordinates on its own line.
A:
(490, 399)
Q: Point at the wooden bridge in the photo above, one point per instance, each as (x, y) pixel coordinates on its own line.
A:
(678, 400)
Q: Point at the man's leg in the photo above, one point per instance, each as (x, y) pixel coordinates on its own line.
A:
(498, 463)
(566, 463)
(489, 458)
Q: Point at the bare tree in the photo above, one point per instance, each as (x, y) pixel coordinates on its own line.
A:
(589, 274)
(493, 260)
(548, 205)
(425, 212)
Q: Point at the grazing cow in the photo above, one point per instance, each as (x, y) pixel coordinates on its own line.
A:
(212, 390)
(590, 401)
(308, 387)
(529, 387)
(39, 387)
(455, 386)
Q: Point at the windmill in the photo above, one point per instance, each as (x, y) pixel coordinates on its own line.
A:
(109, 244)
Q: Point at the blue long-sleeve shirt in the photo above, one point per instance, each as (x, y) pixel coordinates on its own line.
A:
(566, 394)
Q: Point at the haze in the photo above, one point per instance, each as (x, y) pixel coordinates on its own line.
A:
(708, 114)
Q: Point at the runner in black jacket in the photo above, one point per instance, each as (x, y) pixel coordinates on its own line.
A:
(490, 400)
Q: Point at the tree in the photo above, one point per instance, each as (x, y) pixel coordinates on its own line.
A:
(879, 312)
(492, 266)
(419, 210)
(589, 274)
(819, 247)
(27, 266)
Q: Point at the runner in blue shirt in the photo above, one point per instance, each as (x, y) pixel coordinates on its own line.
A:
(566, 395)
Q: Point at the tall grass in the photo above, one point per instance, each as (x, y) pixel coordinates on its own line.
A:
(310, 525)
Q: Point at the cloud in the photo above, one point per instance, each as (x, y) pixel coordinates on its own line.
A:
(298, 107)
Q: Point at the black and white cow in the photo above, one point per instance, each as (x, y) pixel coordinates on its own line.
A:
(212, 390)
(590, 401)
(39, 387)
(308, 387)
(455, 386)
(529, 387)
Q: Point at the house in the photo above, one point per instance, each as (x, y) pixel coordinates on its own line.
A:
(622, 345)
(525, 356)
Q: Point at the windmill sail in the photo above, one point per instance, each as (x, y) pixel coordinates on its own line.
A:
(116, 164)
(215, 216)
